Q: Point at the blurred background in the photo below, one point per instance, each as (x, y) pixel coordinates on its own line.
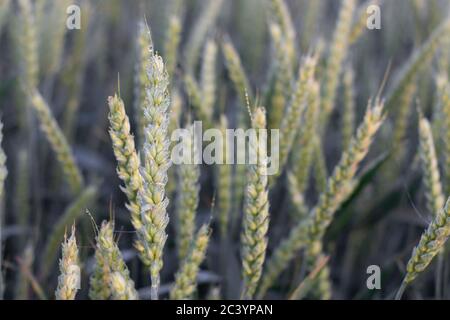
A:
(78, 69)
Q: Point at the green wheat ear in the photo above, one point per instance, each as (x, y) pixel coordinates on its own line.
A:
(309, 232)
(431, 242)
(156, 162)
(186, 277)
(69, 267)
(188, 197)
(111, 278)
(256, 211)
(58, 142)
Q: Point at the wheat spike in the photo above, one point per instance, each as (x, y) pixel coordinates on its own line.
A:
(111, 278)
(186, 277)
(338, 51)
(348, 113)
(58, 142)
(69, 268)
(291, 119)
(224, 184)
(256, 211)
(154, 169)
(310, 231)
(188, 197)
(431, 176)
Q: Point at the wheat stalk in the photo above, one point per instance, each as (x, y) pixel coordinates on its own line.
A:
(256, 211)
(69, 268)
(186, 277)
(154, 169)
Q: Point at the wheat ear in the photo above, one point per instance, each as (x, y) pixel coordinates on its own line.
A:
(431, 177)
(291, 120)
(111, 278)
(58, 142)
(3, 175)
(72, 213)
(224, 184)
(443, 118)
(310, 231)
(418, 60)
(348, 113)
(172, 41)
(186, 277)
(236, 72)
(256, 210)
(128, 161)
(208, 78)
(27, 44)
(144, 50)
(156, 162)
(69, 268)
(282, 77)
(360, 23)
(431, 242)
(199, 31)
(188, 196)
(280, 13)
(338, 51)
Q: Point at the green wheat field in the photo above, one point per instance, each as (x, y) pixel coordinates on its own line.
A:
(92, 206)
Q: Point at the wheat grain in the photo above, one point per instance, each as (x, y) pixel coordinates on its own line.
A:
(69, 268)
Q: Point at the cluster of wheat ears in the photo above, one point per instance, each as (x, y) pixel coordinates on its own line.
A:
(163, 200)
